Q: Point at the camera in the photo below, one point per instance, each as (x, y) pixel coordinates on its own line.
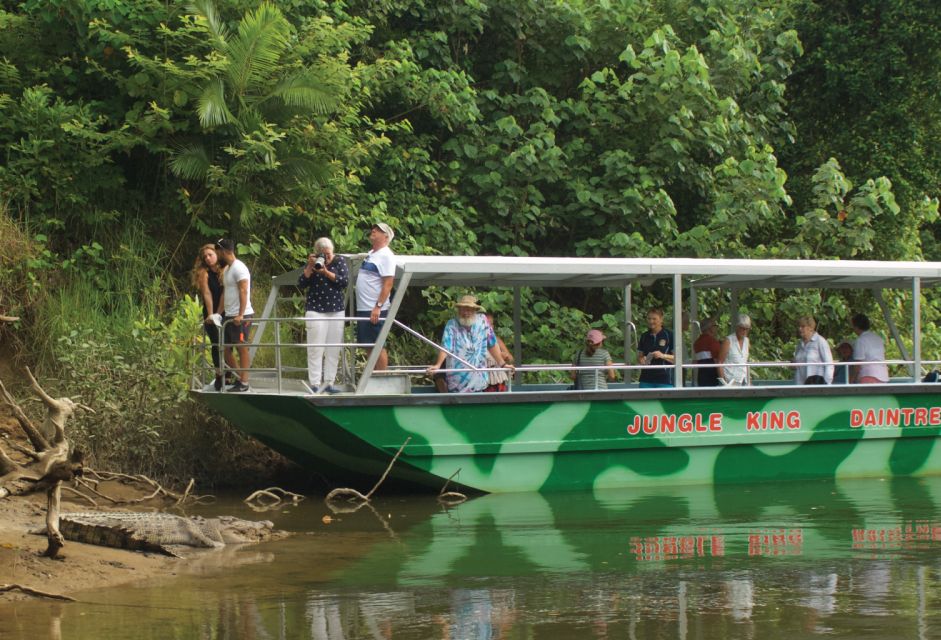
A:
(319, 263)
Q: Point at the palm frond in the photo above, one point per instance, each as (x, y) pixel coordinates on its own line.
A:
(207, 15)
(212, 108)
(190, 162)
(307, 90)
(262, 39)
(306, 171)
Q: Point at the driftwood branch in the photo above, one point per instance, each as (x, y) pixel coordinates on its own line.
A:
(50, 463)
(32, 433)
(141, 481)
(271, 498)
(34, 592)
(451, 498)
(9, 318)
(353, 494)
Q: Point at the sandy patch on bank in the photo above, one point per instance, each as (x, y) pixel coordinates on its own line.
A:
(82, 566)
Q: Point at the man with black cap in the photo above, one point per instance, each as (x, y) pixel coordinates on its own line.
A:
(237, 300)
(373, 288)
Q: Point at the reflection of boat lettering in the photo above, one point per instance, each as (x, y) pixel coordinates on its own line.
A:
(677, 547)
(900, 537)
(671, 423)
(763, 420)
(903, 417)
(784, 542)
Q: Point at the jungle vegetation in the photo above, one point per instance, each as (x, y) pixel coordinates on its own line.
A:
(133, 131)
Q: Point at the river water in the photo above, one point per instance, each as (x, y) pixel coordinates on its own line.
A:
(855, 559)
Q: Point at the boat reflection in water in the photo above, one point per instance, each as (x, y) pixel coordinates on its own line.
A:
(854, 558)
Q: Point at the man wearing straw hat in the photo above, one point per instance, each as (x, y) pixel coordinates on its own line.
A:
(469, 337)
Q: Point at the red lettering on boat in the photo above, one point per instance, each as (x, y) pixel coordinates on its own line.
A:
(715, 422)
(856, 418)
(668, 424)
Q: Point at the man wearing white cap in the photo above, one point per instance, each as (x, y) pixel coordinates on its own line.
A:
(373, 288)
(592, 355)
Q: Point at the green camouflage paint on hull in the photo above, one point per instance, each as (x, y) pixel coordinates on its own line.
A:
(626, 441)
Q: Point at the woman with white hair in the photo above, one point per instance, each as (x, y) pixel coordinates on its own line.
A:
(813, 354)
(734, 354)
(326, 276)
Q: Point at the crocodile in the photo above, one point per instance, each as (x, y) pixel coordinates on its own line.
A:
(160, 532)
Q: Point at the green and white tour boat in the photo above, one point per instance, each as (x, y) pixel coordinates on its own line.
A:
(544, 437)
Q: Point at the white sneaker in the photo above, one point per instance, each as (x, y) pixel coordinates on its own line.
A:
(209, 387)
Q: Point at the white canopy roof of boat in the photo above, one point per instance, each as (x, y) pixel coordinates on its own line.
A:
(483, 271)
(500, 271)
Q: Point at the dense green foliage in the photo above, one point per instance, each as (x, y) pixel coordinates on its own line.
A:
(133, 130)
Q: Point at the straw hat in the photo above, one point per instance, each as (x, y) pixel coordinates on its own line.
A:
(469, 301)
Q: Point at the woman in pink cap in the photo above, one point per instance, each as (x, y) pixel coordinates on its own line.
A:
(592, 355)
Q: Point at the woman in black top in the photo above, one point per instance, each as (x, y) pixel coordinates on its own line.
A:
(206, 277)
(326, 276)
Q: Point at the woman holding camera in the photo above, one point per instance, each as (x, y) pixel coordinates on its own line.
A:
(326, 276)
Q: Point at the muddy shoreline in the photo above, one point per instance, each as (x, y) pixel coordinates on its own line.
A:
(82, 566)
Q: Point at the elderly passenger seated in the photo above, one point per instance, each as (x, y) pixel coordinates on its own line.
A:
(469, 337)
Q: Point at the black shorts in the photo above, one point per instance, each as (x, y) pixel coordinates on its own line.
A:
(237, 333)
(366, 331)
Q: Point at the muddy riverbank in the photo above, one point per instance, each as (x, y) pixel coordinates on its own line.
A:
(83, 566)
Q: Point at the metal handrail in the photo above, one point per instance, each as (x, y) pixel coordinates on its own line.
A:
(522, 369)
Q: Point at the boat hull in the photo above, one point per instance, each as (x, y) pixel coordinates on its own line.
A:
(552, 441)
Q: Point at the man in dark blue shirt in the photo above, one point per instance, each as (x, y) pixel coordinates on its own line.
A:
(656, 348)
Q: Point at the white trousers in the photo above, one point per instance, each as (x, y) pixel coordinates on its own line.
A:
(322, 361)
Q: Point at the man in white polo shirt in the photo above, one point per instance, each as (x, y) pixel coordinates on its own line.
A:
(373, 288)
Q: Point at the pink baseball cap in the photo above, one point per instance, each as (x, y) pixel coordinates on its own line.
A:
(594, 336)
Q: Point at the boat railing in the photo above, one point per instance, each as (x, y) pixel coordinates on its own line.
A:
(276, 371)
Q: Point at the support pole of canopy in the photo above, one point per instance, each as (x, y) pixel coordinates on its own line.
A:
(678, 330)
(916, 328)
(262, 325)
(890, 323)
(517, 331)
(733, 311)
(694, 330)
(628, 328)
(383, 333)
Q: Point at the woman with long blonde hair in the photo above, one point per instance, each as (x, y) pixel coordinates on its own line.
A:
(206, 278)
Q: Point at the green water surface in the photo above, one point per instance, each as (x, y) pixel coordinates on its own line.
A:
(854, 559)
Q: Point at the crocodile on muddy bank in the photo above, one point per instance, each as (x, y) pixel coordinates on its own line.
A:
(161, 532)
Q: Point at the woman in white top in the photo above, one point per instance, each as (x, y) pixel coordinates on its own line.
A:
(813, 352)
(734, 354)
